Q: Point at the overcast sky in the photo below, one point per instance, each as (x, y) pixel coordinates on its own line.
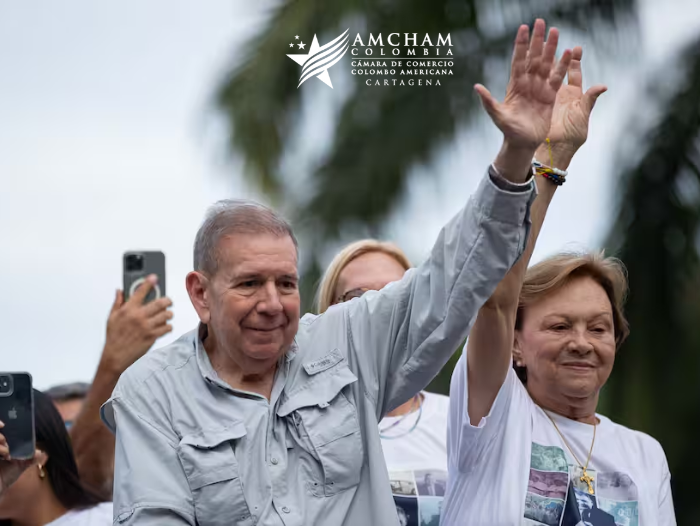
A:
(108, 144)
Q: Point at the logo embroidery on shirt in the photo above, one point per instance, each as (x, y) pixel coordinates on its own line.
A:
(324, 363)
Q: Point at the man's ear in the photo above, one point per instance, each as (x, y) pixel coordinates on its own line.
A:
(198, 287)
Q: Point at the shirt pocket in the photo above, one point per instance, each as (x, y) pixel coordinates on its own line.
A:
(212, 473)
(322, 412)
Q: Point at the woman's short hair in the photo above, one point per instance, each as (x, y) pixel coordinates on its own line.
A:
(326, 290)
(557, 271)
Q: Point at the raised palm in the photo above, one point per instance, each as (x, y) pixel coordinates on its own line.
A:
(525, 115)
(572, 109)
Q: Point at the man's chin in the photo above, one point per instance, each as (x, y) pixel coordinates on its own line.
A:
(266, 352)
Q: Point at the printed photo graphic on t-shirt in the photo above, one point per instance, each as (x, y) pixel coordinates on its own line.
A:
(624, 513)
(542, 510)
(430, 509)
(590, 513)
(616, 486)
(431, 483)
(548, 484)
(548, 458)
(402, 483)
(407, 510)
(418, 495)
(560, 494)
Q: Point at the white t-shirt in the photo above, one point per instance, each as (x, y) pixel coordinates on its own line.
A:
(514, 468)
(417, 461)
(100, 515)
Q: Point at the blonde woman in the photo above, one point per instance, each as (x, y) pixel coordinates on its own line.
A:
(414, 434)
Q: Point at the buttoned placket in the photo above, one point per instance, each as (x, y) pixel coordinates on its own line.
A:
(276, 454)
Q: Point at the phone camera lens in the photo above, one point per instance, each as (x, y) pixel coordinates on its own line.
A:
(4, 384)
(134, 262)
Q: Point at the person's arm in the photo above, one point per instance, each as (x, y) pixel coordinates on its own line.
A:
(132, 328)
(150, 486)
(490, 345)
(404, 334)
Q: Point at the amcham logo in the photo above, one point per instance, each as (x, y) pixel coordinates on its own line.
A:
(317, 61)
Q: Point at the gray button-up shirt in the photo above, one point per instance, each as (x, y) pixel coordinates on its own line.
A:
(192, 450)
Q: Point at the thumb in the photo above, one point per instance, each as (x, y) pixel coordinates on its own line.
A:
(487, 101)
(118, 300)
(591, 96)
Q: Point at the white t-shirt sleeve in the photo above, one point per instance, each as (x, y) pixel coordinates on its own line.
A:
(667, 514)
(466, 443)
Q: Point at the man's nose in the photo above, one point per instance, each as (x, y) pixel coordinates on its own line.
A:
(270, 302)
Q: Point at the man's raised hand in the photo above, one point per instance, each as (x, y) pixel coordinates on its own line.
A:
(525, 114)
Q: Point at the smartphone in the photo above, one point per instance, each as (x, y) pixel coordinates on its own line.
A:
(17, 413)
(138, 265)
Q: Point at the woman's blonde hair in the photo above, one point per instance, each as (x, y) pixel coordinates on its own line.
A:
(553, 273)
(325, 296)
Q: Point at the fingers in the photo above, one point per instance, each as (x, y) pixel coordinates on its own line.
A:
(156, 307)
(4, 447)
(534, 55)
(550, 51)
(162, 331)
(591, 96)
(490, 104)
(557, 77)
(575, 74)
(160, 319)
(143, 289)
(519, 63)
(118, 300)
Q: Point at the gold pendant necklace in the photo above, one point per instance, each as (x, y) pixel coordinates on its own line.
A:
(585, 478)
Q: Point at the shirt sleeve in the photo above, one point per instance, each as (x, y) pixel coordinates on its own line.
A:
(667, 514)
(468, 441)
(404, 334)
(150, 486)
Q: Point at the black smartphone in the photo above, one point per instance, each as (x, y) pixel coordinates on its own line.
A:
(17, 413)
(138, 265)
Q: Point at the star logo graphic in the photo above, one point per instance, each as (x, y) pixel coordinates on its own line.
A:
(317, 61)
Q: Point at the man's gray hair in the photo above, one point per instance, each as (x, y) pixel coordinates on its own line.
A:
(234, 216)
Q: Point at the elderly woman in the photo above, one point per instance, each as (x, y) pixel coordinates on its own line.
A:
(525, 444)
(413, 435)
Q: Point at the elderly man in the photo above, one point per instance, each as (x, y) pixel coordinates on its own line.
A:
(258, 418)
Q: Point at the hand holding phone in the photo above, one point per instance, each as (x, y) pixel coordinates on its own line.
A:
(10, 469)
(17, 415)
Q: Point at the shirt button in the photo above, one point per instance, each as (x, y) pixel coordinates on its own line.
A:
(286, 509)
(274, 461)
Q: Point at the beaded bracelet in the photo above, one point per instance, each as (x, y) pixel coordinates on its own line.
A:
(555, 175)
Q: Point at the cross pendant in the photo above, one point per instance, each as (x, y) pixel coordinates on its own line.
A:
(587, 479)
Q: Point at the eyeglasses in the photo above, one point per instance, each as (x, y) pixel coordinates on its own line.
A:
(351, 294)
